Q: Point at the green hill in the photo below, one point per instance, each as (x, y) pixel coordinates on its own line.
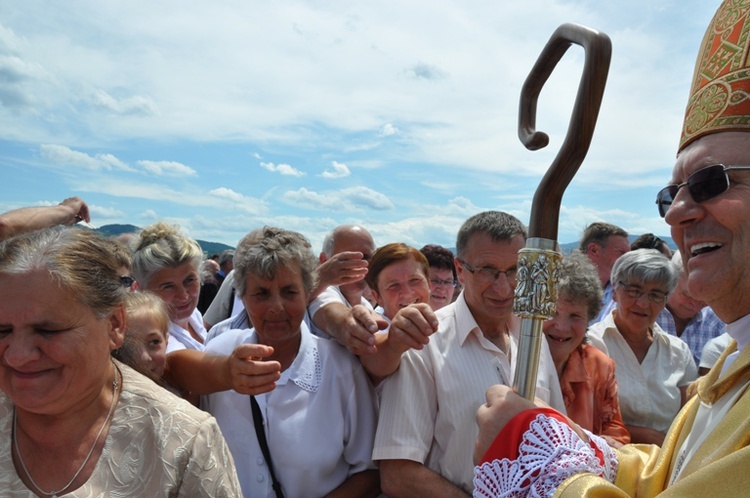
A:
(208, 247)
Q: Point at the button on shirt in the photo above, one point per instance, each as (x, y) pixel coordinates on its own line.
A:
(319, 420)
(649, 391)
(428, 406)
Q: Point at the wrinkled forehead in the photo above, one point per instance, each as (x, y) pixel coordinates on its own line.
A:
(728, 148)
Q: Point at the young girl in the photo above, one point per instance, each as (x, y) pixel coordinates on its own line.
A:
(146, 334)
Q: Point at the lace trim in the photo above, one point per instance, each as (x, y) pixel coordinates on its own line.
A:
(312, 373)
(550, 452)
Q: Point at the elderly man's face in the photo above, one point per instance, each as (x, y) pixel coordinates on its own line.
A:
(489, 300)
(714, 236)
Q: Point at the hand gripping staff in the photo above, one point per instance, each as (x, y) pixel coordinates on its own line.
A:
(536, 291)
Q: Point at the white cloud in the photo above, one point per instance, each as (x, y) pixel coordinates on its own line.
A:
(65, 156)
(168, 168)
(98, 212)
(130, 105)
(340, 170)
(283, 169)
(348, 199)
(149, 214)
(388, 130)
(240, 201)
(363, 196)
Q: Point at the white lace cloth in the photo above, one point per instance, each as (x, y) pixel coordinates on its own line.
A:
(550, 452)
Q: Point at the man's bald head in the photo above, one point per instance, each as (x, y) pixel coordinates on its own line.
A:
(348, 238)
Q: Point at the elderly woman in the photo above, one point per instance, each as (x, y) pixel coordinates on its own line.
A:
(315, 406)
(587, 376)
(654, 368)
(73, 421)
(167, 263)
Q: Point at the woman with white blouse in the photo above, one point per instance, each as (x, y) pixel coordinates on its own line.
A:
(653, 367)
(314, 401)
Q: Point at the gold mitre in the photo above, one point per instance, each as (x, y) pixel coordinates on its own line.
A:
(720, 94)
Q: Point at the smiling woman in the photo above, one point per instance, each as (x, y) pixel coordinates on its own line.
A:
(167, 263)
(587, 375)
(653, 367)
(72, 420)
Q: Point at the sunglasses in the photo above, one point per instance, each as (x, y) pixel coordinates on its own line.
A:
(704, 184)
(126, 281)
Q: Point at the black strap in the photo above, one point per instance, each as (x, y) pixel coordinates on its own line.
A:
(260, 432)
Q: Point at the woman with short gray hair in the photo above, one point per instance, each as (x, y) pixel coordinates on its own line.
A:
(314, 402)
(653, 367)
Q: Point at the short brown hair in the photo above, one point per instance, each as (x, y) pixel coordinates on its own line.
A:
(390, 253)
(598, 232)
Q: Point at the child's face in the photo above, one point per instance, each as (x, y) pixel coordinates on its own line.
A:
(149, 342)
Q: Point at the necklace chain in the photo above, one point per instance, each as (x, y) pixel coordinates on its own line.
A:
(115, 383)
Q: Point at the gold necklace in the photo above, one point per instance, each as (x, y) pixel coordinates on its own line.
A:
(53, 494)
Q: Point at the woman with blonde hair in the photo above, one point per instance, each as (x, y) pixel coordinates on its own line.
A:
(167, 263)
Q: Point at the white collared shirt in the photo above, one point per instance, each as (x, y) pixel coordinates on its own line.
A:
(319, 420)
(649, 392)
(429, 405)
(180, 338)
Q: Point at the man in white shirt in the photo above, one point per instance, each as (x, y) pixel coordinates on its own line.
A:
(343, 266)
(426, 427)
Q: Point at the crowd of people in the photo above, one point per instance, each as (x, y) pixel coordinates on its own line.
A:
(149, 369)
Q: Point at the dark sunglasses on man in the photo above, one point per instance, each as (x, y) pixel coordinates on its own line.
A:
(704, 184)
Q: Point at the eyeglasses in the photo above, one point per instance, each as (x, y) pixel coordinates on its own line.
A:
(489, 274)
(704, 184)
(445, 283)
(635, 293)
(126, 281)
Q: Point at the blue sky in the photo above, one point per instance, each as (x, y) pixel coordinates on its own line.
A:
(398, 115)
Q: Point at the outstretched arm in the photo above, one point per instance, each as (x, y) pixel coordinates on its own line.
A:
(70, 211)
(245, 371)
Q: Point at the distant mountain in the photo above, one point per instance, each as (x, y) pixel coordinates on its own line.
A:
(209, 248)
(115, 230)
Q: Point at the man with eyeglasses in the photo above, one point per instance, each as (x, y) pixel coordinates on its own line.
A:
(706, 451)
(426, 428)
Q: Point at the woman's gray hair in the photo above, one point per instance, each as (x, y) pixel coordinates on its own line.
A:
(263, 251)
(80, 261)
(579, 282)
(162, 246)
(644, 265)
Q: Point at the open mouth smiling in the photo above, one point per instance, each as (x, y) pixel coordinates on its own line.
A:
(704, 247)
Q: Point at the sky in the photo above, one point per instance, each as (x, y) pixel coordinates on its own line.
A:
(399, 115)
